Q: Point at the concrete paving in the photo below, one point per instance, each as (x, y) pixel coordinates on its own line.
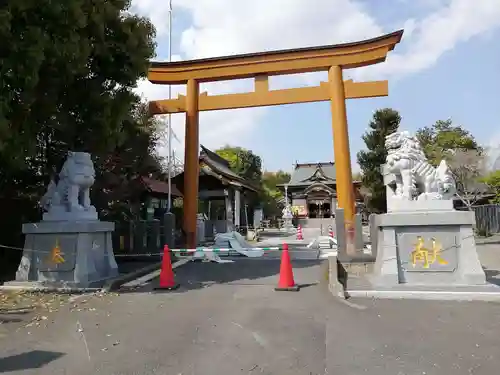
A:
(227, 319)
(275, 237)
(295, 251)
(381, 337)
(488, 250)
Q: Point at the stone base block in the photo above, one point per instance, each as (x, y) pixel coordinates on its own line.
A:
(427, 248)
(485, 293)
(76, 254)
(59, 213)
(337, 277)
(403, 205)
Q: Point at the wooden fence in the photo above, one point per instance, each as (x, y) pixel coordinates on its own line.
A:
(140, 237)
(487, 218)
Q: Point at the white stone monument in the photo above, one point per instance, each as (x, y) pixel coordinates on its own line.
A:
(422, 240)
(70, 247)
(287, 215)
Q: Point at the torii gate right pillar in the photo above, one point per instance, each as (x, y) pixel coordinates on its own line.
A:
(345, 192)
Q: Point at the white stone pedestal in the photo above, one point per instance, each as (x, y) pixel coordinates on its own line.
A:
(86, 250)
(456, 262)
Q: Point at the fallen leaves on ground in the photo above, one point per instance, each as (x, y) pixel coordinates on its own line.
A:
(12, 302)
(21, 301)
(32, 310)
(33, 307)
(28, 306)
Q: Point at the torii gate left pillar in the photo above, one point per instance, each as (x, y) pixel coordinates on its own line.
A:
(191, 162)
(341, 149)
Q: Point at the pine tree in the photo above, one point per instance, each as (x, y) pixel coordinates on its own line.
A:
(384, 122)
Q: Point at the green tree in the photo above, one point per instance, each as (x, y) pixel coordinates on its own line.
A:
(243, 162)
(465, 157)
(67, 76)
(66, 80)
(248, 166)
(271, 193)
(440, 140)
(357, 176)
(492, 180)
(116, 190)
(384, 122)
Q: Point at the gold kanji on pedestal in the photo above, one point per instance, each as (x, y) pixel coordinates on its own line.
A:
(425, 255)
(56, 255)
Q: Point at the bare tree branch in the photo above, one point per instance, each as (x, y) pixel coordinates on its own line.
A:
(467, 167)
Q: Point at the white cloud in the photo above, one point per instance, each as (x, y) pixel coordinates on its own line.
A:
(157, 11)
(226, 27)
(436, 34)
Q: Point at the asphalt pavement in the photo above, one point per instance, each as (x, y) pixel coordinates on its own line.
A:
(228, 319)
(406, 337)
(224, 319)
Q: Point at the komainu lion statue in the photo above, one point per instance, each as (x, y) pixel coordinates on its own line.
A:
(415, 178)
(71, 194)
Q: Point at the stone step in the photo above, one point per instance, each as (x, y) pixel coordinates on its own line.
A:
(316, 223)
(325, 244)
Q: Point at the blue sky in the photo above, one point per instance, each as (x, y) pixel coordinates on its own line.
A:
(447, 66)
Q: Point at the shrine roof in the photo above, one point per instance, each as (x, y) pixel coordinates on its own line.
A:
(217, 162)
(220, 168)
(159, 187)
(307, 174)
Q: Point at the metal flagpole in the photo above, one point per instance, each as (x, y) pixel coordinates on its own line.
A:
(169, 125)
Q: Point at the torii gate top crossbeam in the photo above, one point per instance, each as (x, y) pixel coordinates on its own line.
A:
(292, 61)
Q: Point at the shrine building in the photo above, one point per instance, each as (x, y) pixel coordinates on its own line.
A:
(312, 190)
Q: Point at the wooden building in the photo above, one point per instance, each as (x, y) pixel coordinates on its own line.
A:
(312, 190)
(153, 196)
(222, 193)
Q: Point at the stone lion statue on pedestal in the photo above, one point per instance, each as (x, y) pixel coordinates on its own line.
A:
(69, 198)
(415, 178)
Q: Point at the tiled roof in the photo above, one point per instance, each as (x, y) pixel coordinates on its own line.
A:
(159, 187)
(219, 168)
(306, 174)
(218, 163)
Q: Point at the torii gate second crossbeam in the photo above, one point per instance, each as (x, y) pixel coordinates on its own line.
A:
(260, 66)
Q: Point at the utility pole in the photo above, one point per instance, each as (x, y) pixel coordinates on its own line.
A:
(169, 125)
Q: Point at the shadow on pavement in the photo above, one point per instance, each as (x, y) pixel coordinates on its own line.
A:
(29, 360)
(127, 265)
(244, 271)
(16, 310)
(11, 315)
(7, 319)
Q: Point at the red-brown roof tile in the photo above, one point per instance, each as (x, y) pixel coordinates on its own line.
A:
(159, 187)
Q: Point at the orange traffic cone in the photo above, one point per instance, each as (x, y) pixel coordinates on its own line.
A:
(286, 281)
(299, 233)
(167, 279)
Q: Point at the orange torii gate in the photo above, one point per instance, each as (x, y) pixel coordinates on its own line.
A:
(332, 58)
